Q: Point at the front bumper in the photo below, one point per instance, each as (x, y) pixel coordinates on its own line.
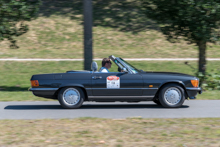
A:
(193, 91)
(198, 89)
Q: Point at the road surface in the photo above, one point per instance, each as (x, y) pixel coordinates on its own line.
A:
(53, 110)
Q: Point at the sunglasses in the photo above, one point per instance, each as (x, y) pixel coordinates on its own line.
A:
(109, 62)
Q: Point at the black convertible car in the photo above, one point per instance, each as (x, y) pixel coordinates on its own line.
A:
(127, 85)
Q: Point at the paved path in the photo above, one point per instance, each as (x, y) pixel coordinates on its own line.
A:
(52, 110)
(127, 59)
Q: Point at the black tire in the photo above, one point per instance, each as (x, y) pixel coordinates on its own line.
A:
(172, 96)
(67, 102)
(157, 102)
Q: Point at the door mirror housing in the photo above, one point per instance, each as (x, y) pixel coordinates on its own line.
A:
(124, 70)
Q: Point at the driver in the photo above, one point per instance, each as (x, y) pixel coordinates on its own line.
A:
(106, 64)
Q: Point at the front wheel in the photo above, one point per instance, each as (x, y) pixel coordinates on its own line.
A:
(157, 102)
(71, 98)
(172, 96)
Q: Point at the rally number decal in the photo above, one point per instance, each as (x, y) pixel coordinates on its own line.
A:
(113, 82)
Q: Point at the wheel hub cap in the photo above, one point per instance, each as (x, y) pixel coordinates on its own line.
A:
(71, 96)
(172, 96)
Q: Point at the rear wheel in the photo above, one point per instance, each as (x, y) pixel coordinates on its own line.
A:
(71, 97)
(172, 96)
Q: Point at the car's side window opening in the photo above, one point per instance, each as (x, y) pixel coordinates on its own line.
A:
(120, 66)
(134, 70)
(123, 66)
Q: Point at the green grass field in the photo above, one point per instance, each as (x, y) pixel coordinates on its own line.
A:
(128, 132)
(15, 76)
(119, 29)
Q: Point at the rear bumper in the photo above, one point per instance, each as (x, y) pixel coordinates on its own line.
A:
(43, 89)
(193, 91)
(44, 92)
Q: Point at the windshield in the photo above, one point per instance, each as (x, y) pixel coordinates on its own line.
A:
(135, 70)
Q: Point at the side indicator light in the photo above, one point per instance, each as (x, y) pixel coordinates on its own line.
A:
(195, 83)
(150, 85)
(34, 83)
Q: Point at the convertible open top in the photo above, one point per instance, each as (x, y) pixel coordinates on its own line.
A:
(128, 84)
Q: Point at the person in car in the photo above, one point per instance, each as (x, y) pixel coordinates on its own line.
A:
(106, 64)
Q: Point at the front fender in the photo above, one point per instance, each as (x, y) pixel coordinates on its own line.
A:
(173, 81)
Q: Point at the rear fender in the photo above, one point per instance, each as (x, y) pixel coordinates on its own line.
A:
(73, 85)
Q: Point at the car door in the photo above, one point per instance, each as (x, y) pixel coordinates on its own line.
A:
(117, 84)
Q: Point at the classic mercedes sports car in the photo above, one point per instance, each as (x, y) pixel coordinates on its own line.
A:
(127, 85)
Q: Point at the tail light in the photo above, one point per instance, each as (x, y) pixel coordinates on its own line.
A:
(195, 83)
(34, 83)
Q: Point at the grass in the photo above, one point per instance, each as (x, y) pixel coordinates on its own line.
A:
(61, 41)
(111, 132)
(58, 33)
(15, 76)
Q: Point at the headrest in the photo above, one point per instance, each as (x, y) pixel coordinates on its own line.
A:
(94, 66)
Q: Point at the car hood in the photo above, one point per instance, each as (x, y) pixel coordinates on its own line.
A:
(169, 74)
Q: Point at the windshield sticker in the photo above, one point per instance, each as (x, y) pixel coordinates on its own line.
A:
(113, 82)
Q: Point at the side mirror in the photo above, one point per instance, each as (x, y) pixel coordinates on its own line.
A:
(124, 70)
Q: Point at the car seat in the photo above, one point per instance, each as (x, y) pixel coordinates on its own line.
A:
(94, 66)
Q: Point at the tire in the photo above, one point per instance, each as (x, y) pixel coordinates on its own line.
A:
(71, 97)
(172, 96)
(157, 102)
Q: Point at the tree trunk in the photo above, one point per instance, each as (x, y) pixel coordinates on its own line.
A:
(88, 56)
(202, 56)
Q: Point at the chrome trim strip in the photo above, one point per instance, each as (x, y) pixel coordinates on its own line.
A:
(42, 89)
(118, 88)
(152, 96)
(194, 88)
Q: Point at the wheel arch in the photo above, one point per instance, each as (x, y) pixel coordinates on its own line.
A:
(73, 85)
(170, 82)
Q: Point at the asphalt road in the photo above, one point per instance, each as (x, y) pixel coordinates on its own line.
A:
(52, 110)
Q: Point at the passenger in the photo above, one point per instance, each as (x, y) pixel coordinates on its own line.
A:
(106, 64)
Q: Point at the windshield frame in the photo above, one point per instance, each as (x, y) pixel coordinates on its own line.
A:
(131, 67)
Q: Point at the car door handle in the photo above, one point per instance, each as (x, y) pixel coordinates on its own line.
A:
(97, 77)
